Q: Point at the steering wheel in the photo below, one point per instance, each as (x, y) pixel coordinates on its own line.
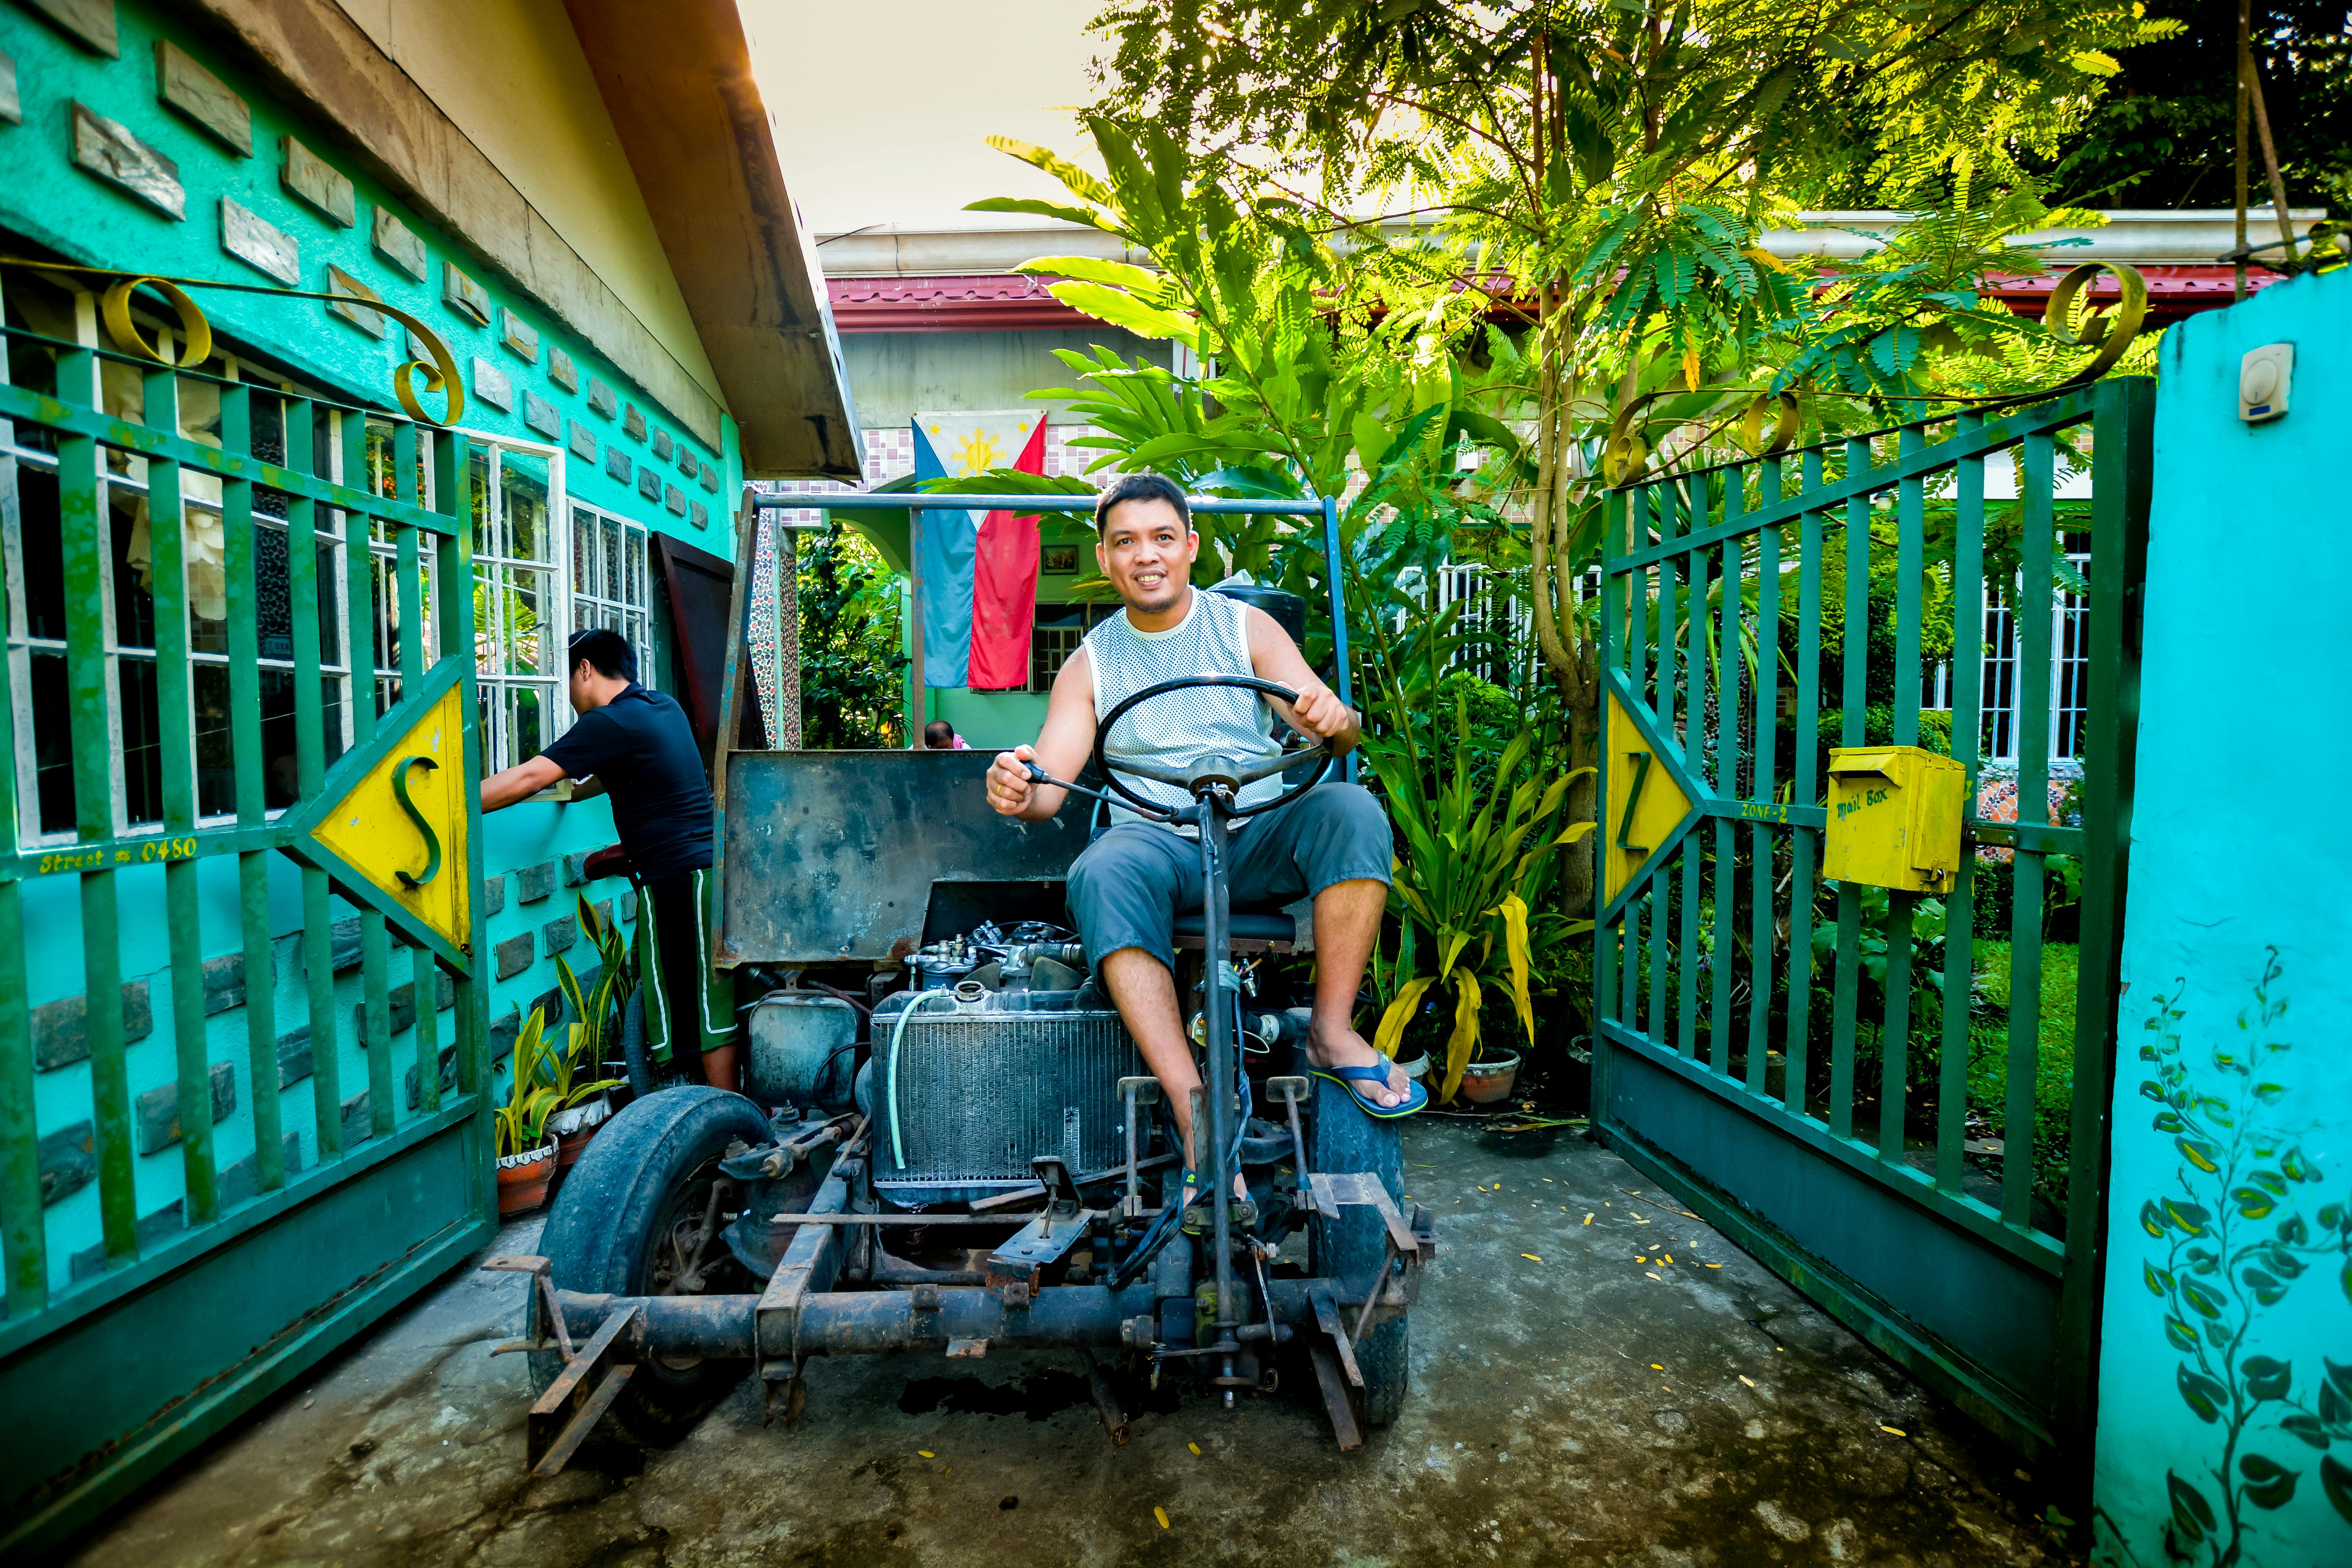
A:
(1212, 769)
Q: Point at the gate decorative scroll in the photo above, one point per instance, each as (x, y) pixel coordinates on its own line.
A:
(1833, 1140)
(350, 539)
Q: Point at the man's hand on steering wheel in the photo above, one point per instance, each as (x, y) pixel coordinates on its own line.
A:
(1318, 712)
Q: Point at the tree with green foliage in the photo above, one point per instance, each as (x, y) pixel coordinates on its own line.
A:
(1593, 179)
(852, 674)
(2164, 133)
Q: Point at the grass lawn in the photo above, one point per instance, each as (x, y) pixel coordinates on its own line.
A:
(2054, 1068)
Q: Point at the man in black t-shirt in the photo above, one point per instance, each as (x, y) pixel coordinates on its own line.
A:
(636, 746)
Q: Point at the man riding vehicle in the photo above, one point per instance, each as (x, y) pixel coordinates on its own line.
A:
(1332, 845)
(636, 745)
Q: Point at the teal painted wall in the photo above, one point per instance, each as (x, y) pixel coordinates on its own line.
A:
(48, 200)
(2225, 1414)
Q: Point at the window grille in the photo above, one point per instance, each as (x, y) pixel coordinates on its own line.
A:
(31, 532)
(609, 584)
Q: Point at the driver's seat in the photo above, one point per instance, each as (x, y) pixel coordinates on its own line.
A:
(1260, 930)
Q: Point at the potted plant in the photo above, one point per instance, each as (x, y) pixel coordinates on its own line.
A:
(526, 1153)
(1476, 861)
(583, 1104)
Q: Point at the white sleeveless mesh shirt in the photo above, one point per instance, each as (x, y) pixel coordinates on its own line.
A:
(1179, 728)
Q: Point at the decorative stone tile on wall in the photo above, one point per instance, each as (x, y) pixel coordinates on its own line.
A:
(149, 1233)
(674, 499)
(601, 398)
(448, 1075)
(61, 1028)
(649, 483)
(494, 895)
(157, 1112)
(69, 1161)
(663, 445)
(465, 296)
(493, 385)
(575, 868)
(242, 1181)
(397, 244)
(519, 335)
(688, 463)
(312, 178)
(108, 149)
(558, 935)
(375, 323)
(632, 422)
(514, 955)
(225, 983)
(533, 883)
(616, 464)
(90, 21)
(203, 98)
(710, 476)
(294, 1062)
(541, 416)
(583, 441)
(12, 108)
(561, 370)
(259, 244)
(401, 1005)
(699, 514)
(359, 1124)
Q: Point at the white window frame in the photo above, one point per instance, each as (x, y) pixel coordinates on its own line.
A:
(493, 685)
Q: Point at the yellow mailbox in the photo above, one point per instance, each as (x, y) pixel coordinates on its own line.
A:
(1895, 818)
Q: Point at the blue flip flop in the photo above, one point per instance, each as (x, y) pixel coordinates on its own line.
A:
(1415, 1097)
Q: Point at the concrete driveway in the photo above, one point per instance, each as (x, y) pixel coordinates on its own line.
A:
(1577, 1398)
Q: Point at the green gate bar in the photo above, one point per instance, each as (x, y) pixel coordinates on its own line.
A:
(1966, 1266)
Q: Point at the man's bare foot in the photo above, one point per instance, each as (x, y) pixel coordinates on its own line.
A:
(1343, 1047)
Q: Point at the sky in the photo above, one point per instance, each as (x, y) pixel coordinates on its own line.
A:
(882, 110)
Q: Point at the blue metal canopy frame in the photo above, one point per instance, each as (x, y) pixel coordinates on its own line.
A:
(911, 502)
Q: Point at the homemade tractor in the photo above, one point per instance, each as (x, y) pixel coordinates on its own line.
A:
(968, 1155)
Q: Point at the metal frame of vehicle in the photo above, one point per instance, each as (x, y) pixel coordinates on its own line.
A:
(834, 1290)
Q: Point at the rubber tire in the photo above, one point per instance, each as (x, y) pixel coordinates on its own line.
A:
(1341, 1138)
(601, 1235)
(632, 1046)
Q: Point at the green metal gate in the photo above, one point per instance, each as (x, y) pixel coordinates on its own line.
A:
(249, 665)
(1778, 1049)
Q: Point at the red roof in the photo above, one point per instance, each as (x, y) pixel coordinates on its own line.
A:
(1001, 302)
(993, 303)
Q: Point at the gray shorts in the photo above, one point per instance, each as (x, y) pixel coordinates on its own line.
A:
(1126, 887)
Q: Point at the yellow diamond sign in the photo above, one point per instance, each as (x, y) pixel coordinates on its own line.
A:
(402, 825)
(1645, 803)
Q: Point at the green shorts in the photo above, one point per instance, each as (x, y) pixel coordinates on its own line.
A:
(689, 1004)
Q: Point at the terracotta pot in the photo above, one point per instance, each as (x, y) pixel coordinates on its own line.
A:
(523, 1179)
(570, 1145)
(1485, 1082)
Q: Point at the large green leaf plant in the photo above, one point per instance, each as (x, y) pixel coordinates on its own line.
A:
(1470, 893)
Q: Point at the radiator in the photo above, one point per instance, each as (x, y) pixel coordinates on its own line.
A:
(983, 1092)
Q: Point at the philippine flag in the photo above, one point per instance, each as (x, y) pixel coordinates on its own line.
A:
(977, 581)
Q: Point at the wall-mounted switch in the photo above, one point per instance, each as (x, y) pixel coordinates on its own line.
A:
(2265, 376)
